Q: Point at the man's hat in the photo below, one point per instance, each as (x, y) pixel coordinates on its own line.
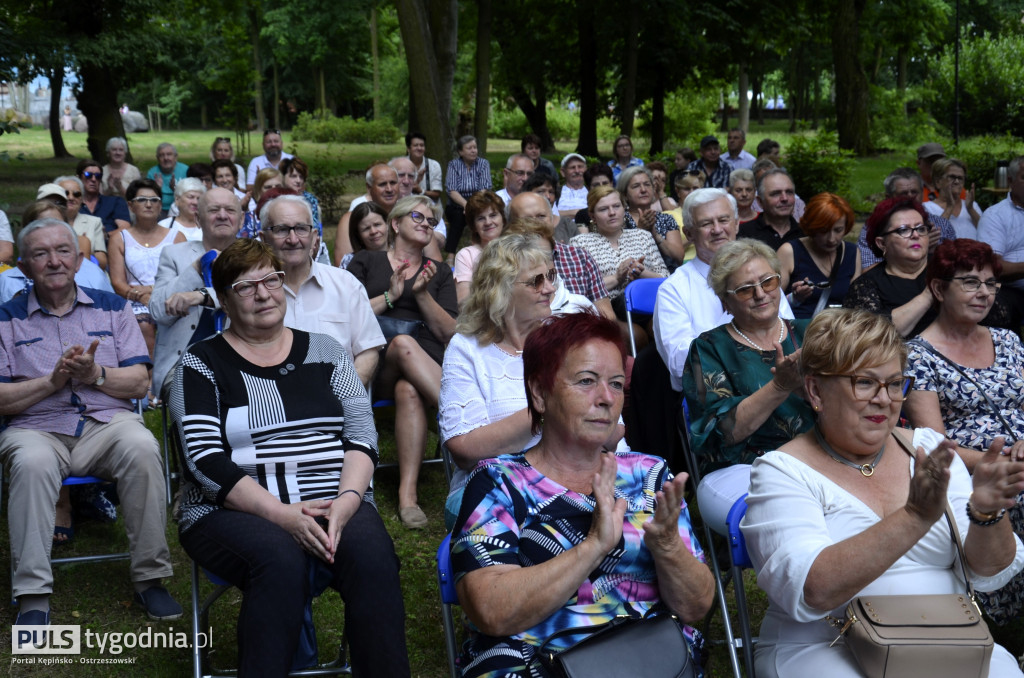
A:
(47, 190)
(931, 151)
(573, 156)
(708, 140)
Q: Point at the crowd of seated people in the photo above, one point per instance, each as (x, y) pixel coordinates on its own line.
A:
(776, 380)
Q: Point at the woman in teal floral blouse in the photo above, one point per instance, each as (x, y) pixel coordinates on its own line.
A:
(742, 381)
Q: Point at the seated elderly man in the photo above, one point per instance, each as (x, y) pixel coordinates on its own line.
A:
(686, 304)
(321, 298)
(72, 357)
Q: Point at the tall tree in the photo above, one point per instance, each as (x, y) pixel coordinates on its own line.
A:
(852, 97)
(483, 73)
(586, 144)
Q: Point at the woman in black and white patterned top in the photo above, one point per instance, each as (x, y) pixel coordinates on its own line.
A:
(279, 448)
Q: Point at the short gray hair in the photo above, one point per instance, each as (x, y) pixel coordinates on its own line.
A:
(703, 196)
(776, 172)
(516, 156)
(265, 219)
(164, 145)
(898, 174)
(45, 223)
(762, 164)
(732, 256)
(627, 176)
(741, 174)
(188, 184)
(70, 177)
(116, 141)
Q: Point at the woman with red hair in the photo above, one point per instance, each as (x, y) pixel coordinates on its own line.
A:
(897, 231)
(818, 268)
(968, 378)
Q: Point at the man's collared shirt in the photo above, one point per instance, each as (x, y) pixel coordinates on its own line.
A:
(331, 301)
(758, 229)
(579, 271)
(13, 281)
(686, 307)
(572, 199)
(742, 161)
(260, 162)
(617, 169)
(32, 340)
(108, 209)
(1002, 227)
(717, 179)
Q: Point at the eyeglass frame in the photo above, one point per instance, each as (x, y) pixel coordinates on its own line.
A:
(538, 280)
(418, 218)
(992, 285)
(740, 293)
(276, 275)
(283, 230)
(921, 230)
(907, 383)
(146, 199)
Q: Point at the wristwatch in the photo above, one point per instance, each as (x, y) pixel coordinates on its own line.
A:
(206, 295)
(102, 378)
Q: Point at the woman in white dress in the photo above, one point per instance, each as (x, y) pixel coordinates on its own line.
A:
(844, 509)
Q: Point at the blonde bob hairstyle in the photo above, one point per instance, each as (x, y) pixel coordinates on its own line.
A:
(483, 313)
(732, 256)
(598, 194)
(842, 340)
(406, 206)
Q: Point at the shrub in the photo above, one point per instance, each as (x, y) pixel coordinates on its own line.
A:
(891, 127)
(322, 127)
(817, 164)
(981, 154)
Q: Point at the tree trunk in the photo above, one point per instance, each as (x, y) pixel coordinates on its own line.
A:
(744, 102)
(56, 76)
(483, 73)
(629, 91)
(203, 117)
(587, 143)
(723, 103)
(277, 97)
(428, 93)
(257, 65)
(98, 101)
(375, 57)
(852, 99)
(322, 87)
(536, 113)
(758, 103)
(658, 113)
(444, 34)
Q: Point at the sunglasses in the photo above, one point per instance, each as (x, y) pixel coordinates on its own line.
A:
(92, 175)
(75, 194)
(223, 140)
(418, 218)
(271, 131)
(769, 284)
(537, 281)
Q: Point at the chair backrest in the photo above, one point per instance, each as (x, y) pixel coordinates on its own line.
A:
(445, 580)
(641, 294)
(737, 544)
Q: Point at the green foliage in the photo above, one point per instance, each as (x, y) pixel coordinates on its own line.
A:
(322, 127)
(817, 164)
(892, 127)
(689, 114)
(563, 124)
(981, 154)
(991, 89)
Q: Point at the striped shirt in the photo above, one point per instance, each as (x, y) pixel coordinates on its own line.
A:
(288, 426)
(467, 180)
(32, 340)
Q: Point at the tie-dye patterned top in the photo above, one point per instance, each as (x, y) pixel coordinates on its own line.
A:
(514, 515)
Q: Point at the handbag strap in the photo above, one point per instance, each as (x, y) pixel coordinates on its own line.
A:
(950, 521)
(923, 343)
(827, 292)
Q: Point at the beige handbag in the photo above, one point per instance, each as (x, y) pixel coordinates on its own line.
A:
(922, 635)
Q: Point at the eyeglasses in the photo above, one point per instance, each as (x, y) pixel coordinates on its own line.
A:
(522, 174)
(247, 288)
(282, 230)
(866, 388)
(92, 175)
(970, 283)
(148, 200)
(955, 178)
(418, 218)
(222, 140)
(75, 194)
(769, 284)
(537, 281)
(906, 231)
(271, 131)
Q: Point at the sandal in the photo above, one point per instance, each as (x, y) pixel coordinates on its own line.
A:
(62, 536)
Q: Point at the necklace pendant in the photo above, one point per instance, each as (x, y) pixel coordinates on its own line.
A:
(867, 470)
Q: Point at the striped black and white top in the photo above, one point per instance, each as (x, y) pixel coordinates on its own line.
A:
(288, 426)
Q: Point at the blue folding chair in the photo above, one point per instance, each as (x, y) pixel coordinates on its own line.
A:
(640, 296)
(446, 586)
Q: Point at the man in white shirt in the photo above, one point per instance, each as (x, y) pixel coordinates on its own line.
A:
(429, 180)
(321, 298)
(1002, 227)
(736, 156)
(686, 304)
(573, 197)
(517, 170)
(272, 157)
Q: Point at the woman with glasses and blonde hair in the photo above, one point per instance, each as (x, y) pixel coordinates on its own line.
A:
(742, 381)
(855, 506)
(414, 300)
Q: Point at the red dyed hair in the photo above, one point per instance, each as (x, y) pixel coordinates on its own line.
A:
(548, 345)
(270, 194)
(879, 219)
(823, 211)
(961, 256)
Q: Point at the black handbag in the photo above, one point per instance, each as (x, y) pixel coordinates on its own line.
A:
(653, 647)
